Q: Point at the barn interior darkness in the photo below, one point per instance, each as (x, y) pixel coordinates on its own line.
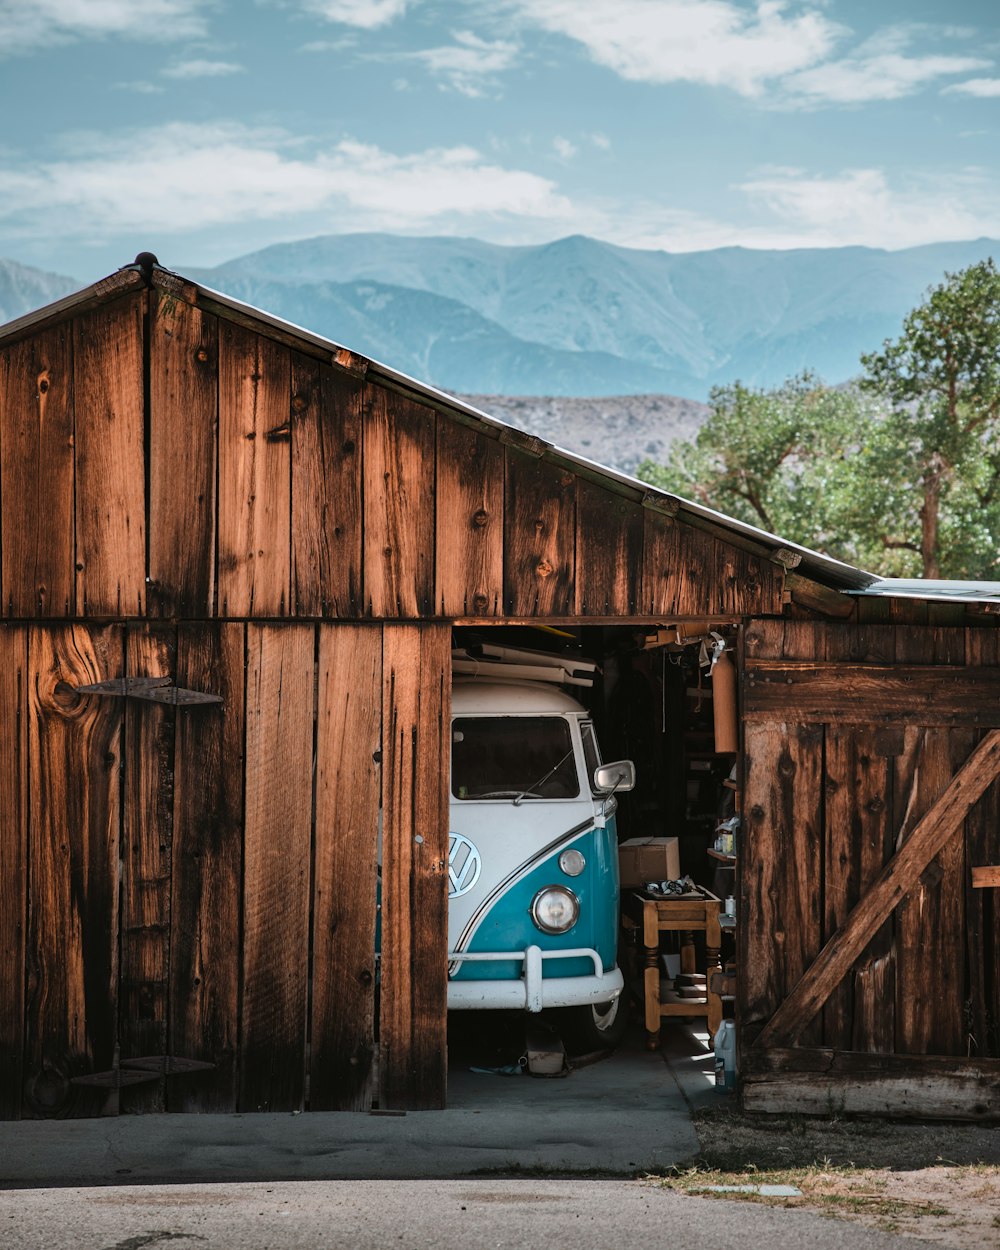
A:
(651, 702)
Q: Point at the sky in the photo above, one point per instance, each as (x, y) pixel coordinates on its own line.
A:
(204, 129)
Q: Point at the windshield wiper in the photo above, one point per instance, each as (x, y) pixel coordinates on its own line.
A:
(542, 780)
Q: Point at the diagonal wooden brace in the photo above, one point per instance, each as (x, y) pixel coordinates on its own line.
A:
(896, 879)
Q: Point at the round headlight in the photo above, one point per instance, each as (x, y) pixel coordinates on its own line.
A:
(572, 863)
(555, 909)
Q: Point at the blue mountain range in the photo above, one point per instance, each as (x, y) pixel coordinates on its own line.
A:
(576, 317)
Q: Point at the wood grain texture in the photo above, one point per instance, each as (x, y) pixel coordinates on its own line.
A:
(183, 428)
(109, 404)
(747, 584)
(982, 907)
(896, 880)
(920, 694)
(681, 569)
(279, 755)
(399, 521)
(416, 747)
(931, 915)
(74, 761)
(147, 834)
(206, 910)
(254, 561)
(539, 536)
(469, 528)
(824, 1082)
(929, 1011)
(781, 870)
(13, 862)
(858, 841)
(326, 490)
(36, 475)
(348, 796)
(662, 586)
(609, 533)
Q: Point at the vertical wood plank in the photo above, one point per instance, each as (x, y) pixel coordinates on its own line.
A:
(930, 974)
(147, 826)
(36, 475)
(399, 506)
(929, 997)
(254, 474)
(539, 536)
(326, 490)
(746, 584)
(206, 907)
(608, 552)
(469, 559)
(982, 907)
(857, 843)
(13, 862)
(680, 568)
(109, 401)
(348, 795)
(662, 573)
(183, 425)
(780, 887)
(279, 755)
(416, 751)
(74, 761)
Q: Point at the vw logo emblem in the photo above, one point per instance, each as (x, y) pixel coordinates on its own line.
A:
(464, 865)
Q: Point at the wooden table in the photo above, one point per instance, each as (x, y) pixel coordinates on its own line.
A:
(686, 915)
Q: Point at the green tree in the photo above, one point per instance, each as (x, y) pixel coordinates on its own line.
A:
(942, 376)
(900, 475)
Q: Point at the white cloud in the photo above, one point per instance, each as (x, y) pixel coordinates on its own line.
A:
(715, 42)
(878, 69)
(565, 149)
(226, 173)
(140, 87)
(600, 140)
(367, 14)
(202, 69)
(861, 206)
(982, 87)
(469, 63)
(30, 24)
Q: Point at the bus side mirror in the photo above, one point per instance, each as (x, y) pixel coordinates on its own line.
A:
(609, 778)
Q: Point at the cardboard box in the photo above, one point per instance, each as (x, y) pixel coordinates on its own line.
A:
(648, 859)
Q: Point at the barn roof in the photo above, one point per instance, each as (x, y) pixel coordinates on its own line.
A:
(814, 564)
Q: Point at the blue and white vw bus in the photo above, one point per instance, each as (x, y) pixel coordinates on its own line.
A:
(533, 860)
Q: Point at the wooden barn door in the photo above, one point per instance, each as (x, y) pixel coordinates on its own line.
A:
(870, 960)
(199, 882)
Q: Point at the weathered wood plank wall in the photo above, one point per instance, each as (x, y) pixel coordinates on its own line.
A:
(246, 932)
(835, 793)
(280, 485)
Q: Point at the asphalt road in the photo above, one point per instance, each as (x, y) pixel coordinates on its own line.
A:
(358, 1215)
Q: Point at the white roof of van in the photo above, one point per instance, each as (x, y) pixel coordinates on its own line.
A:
(499, 698)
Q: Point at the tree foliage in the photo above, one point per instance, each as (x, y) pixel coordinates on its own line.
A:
(900, 474)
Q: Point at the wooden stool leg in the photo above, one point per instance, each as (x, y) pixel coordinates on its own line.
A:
(687, 951)
(651, 995)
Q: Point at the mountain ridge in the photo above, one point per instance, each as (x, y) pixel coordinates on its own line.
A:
(575, 317)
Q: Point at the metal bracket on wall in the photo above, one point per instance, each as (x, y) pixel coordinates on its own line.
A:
(151, 689)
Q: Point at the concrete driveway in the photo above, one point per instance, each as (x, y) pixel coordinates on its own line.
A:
(624, 1115)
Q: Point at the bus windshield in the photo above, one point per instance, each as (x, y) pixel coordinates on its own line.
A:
(506, 757)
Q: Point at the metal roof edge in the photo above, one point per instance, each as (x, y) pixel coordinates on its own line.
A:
(940, 590)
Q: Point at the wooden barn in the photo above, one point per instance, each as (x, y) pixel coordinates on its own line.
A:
(233, 560)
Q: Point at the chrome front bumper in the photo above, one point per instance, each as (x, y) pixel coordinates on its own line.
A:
(530, 991)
